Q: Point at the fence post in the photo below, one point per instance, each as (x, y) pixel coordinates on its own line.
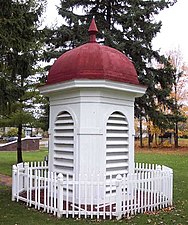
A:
(20, 177)
(59, 194)
(26, 167)
(171, 187)
(14, 182)
(118, 197)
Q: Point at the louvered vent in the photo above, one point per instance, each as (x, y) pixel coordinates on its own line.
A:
(64, 144)
(116, 145)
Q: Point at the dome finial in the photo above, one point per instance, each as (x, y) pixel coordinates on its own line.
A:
(92, 31)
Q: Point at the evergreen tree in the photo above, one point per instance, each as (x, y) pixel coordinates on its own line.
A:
(128, 26)
(43, 119)
(20, 42)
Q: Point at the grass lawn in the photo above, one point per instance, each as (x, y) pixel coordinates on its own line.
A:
(7, 159)
(17, 213)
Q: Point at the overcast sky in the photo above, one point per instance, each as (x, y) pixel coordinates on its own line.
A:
(174, 32)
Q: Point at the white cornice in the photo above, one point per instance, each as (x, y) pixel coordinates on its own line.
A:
(48, 90)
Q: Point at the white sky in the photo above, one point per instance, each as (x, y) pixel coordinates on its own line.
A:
(174, 31)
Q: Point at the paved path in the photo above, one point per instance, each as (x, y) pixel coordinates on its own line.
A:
(5, 180)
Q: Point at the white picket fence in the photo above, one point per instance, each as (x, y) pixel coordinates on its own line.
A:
(149, 188)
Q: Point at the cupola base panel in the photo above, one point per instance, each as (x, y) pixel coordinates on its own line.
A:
(92, 129)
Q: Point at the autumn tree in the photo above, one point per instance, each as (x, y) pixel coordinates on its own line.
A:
(178, 91)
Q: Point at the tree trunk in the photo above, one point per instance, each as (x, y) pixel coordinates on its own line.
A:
(176, 113)
(149, 135)
(149, 140)
(19, 144)
(156, 139)
(31, 135)
(141, 141)
(109, 14)
(176, 136)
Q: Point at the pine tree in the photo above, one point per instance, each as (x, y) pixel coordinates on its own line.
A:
(20, 41)
(128, 26)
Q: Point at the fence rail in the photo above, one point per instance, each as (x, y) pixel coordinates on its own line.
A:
(149, 188)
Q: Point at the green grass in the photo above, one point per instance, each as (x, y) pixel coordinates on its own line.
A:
(7, 159)
(17, 213)
(179, 164)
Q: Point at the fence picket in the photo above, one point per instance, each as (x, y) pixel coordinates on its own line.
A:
(104, 197)
(151, 192)
(79, 197)
(157, 189)
(67, 196)
(85, 195)
(55, 194)
(135, 194)
(18, 183)
(128, 191)
(38, 188)
(142, 192)
(48, 193)
(30, 186)
(110, 197)
(45, 187)
(26, 178)
(139, 190)
(73, 196)
(98, 193)
(92, 193)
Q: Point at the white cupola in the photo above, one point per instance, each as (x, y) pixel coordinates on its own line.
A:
(92, 90)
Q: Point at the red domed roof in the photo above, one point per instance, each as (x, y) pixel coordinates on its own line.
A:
(93, 61)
